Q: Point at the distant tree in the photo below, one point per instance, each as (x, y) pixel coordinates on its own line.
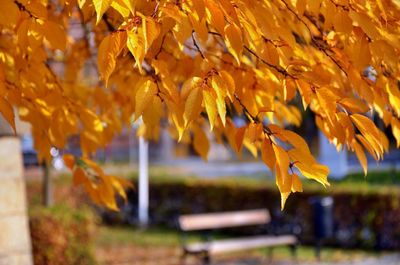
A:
(196, 60)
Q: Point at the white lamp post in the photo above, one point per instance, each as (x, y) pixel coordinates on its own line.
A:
(143, 182)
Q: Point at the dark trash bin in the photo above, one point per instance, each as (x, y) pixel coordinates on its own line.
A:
(322, 220)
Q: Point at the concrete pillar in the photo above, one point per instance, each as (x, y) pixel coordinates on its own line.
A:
(15, 243)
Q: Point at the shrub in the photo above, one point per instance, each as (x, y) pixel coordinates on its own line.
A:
(365, 218)
(62, 235)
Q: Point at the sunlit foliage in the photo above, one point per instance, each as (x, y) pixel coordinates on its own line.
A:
(90, 67)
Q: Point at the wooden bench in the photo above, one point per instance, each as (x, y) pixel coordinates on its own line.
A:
(214, 221)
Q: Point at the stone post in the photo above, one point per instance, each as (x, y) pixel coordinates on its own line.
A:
(15, 243)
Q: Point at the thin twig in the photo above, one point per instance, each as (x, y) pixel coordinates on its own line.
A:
(197, 46)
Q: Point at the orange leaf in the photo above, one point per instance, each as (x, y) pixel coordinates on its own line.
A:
(69, 161)
(79, 177)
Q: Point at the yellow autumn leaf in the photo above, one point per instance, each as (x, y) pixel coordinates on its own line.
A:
(367, 146)
(282, 166)
(94, 192)
(122, 7)
(81, 3)
(345, 121)
(267, 154)
(317, 172)
(254, 131)
(120, 184)
(210, 105)
(395, 123)
(101, 7)
(365, 22)
(200, 142)
(9, 14)
(55, 35)
(301, 6)
(229, 84)
(382, 8)
(239, 138)
(118, 187)
(176, 114)
(233, 40)
(193, 105)
(92, 165)
(308, 167)
(151, 116)
(250, 147)
(361, 156)
(188, 86)
(221, 90)
(143, 97)
(369, 131)
(384, 141)
(151, 30)
(90, 120)
(109, 49)
(136, 45)
(327, 99)
(79, 177)
(69, 160)
(354, 105)
(200, 27)
(296, 183)
(394, 97)
(131, 5)
(283, 180)
(269, 53)
(296, 141)
(284, 197)
(342, 22)
(107, 193)
(214, 15)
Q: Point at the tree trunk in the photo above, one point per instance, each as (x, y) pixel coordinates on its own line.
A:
(47, 186)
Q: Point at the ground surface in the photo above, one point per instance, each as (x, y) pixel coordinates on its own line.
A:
(124, 245)
(165, 255)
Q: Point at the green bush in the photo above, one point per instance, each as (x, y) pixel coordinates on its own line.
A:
(62, 235)
(365, 215)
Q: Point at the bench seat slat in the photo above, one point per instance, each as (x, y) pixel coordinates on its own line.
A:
(223, 220)
(243, 243)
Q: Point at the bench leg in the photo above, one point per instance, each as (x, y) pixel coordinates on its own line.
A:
(270, 254)
(293, 250)
(183, 258)
(206, 258)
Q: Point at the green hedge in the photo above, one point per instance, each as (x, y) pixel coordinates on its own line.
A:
(363, 217)
(62, 235)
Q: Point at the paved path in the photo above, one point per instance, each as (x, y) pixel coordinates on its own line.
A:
(389, 259)
(126, 255)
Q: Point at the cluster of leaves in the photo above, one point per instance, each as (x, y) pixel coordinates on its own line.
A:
(101, 188)
(186, 62)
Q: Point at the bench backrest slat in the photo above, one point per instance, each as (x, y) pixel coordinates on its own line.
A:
(223, 220)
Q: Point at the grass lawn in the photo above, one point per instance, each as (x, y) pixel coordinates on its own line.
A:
(380, 182)
(162, 246)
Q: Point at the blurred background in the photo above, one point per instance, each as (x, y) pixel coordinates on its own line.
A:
(354, 221)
